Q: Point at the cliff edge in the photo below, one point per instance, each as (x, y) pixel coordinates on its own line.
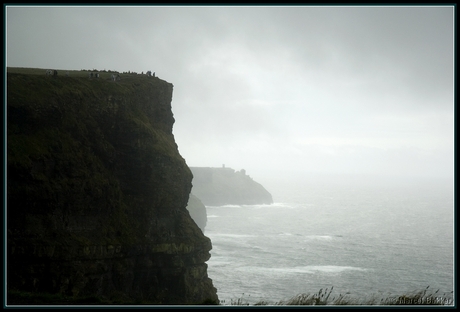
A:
(97, 192)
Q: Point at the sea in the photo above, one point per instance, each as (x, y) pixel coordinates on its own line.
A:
(360, 238)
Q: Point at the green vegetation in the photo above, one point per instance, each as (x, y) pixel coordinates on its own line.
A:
(325, 297)
(63, 72)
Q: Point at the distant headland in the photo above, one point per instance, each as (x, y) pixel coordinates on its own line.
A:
(217, 186)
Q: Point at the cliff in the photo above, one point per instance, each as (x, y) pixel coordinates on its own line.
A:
(97, 192)
(225, 186)
(197, 211)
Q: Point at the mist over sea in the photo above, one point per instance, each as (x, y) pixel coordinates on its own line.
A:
(364, 237)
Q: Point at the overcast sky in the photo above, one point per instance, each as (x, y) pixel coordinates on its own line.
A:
(273, 90)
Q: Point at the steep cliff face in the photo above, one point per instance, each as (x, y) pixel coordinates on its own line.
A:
(225, 186)
(97, 192)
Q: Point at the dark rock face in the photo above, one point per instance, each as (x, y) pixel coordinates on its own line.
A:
(97, 193)
(225, 186)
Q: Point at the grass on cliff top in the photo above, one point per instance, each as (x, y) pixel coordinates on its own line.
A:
(71, 73)
(65, 81)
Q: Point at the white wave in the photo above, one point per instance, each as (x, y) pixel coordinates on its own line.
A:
(311, 237)
(212, 216)
(285, 205)
(224, 206)
(231, 235)
(320, 237)
(309, 269)
(216, 263)
(273, 205)
(324, 269)
(256, 206)
(289, 234)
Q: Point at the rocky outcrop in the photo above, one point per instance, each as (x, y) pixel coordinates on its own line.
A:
(197, 211)
(97, 193)
(225, 186)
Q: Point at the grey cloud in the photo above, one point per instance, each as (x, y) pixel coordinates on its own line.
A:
(253, 83)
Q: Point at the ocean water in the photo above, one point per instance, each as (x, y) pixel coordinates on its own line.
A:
(366, 239)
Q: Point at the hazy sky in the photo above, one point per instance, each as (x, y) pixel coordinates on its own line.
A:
(273, 90)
